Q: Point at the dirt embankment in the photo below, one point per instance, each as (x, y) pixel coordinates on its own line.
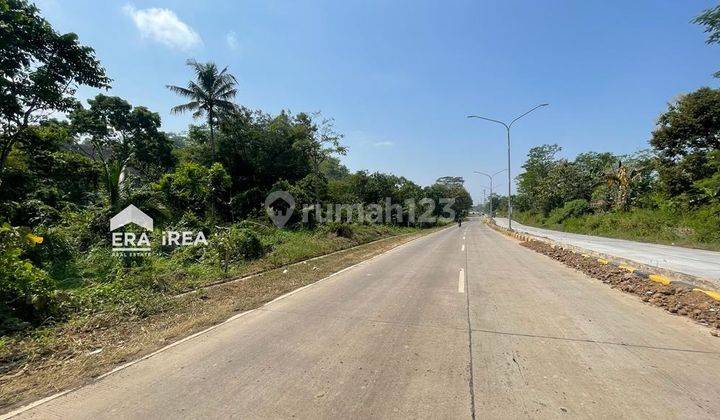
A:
(676, 299)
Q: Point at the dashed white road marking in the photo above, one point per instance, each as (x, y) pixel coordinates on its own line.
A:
(463, 248)
(461, 281)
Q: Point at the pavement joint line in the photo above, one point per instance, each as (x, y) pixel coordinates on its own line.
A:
(364, 319)
(655, 277)
(471, 368)
(591, 341)
(124, 366)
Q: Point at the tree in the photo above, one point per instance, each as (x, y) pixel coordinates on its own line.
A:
(451, 180)
(40, 70)
(187, 188)
(685, 136)
(210, 95)
(449, 188)
(534, 182)
(219, 183)
(710, 19)
(118, 136)
(691, 124)
(317, 143)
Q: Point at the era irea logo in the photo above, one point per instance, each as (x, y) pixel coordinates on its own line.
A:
(138, 243)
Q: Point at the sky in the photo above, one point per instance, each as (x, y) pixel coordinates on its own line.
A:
(399, 77)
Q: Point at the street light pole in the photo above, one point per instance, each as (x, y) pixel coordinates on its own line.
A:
(507, 128)
(484, 200)
(491, 177)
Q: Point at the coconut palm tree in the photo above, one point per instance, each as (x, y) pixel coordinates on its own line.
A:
(210, 94)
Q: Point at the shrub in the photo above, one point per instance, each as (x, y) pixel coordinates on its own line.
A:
(342, 230)
(705, 223)
(235, 244)
(26, 292)
(573, 208)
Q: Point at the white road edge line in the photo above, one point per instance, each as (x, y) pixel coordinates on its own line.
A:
(461, 281)
(42, 401)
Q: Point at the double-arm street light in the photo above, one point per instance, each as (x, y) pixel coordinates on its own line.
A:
(507, 128)
(491, 177)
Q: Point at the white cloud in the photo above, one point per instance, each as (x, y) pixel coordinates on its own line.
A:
(231, 39)
(163, 25)
(366, 140)
(383, 144)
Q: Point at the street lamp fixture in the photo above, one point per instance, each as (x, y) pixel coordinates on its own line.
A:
(491, 177)
(508, 126)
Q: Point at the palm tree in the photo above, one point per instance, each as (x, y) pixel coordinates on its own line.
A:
(210, 93)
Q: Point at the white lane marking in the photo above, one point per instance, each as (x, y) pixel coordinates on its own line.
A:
(463, 248)
(461, 281)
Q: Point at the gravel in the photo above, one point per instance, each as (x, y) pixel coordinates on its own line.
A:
(676, 299)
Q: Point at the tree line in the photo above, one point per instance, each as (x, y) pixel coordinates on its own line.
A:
(67, 167)
(674, 185)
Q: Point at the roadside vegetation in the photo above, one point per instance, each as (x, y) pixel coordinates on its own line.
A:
(668, 194)
(47, 359)
(67, 167)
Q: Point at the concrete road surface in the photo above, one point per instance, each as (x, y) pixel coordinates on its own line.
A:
(463, 323)
(695, 262)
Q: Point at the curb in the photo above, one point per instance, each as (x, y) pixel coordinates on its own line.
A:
(655, 277)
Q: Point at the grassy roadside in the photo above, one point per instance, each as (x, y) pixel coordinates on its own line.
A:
(70, 354)
(698, 229)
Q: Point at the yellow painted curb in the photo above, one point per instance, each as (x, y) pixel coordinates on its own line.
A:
(627, 268)
(659, 279)
(714, 295)
(653, 277)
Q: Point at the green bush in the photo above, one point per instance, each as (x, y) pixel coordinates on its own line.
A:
(705, 223)
(26, 292)
(573, 208)
(235, 244)
(342, 230)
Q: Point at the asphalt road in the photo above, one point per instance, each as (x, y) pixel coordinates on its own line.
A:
(408, 334)
(695, 262)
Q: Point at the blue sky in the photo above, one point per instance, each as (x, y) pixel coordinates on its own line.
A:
(399, 77)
